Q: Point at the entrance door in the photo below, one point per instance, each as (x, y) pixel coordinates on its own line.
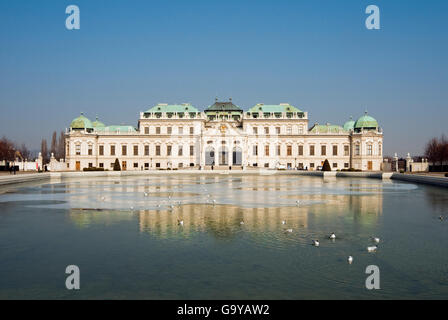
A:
(370, 166)
(123, 166)
(78, 165)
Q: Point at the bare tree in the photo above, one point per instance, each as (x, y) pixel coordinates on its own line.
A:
(24, 151)
(44, 150)
(61, 146)
(53, 143)
(436, 151)
(7, 149)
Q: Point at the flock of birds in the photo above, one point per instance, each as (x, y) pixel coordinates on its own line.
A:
(315, 243)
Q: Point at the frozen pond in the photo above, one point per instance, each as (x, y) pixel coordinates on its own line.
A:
(124, 235)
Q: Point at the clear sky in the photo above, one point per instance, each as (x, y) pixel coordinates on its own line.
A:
(316, 55)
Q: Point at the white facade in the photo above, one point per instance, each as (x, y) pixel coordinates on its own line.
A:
(223, 139)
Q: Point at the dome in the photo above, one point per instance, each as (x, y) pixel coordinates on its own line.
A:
(366, 121)
(349, 125)
(81, 123)
(98, 124)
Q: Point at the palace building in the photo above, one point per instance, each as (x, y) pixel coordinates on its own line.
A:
(224, 137)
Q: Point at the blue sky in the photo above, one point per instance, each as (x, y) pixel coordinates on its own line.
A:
(316, 55)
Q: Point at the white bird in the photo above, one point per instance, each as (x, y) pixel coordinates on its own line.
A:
(283, 222)
(289, 230)
(316, 243)
(146, 194)
(132, 208)
(103, 198)
(376, 240)
(298, 202)
(372, 248)
(332, 236)
(242, 222)
(180, 222)
(350, 259)
(214, 202)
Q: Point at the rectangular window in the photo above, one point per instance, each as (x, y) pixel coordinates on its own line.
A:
(124, 150)
(346, 151)
(289, 130)
(369, 150)
(311, 150)
(323, 150)
(90, 150)
(78, 149)
(278, 151)
(90, 165)
(181, 130)
(168, 150)
(335, 150)
(101, 151)
(289, 150)
(277, 130)
(357, 150)
(157, 130)
(135, 150)
(191, 151)
(180, 151)
(135, 164)
(266, 165)
(346, 165)
(300, 150)
(146, 150)
(300, 129)
(335, 165)
(68, 150)
(255, 150)
(101, 165)
(191, 130)
(266, 151)
(255, 130)
(146, 130)
(157, 150)
(169, 130)
(266, 130)
(380, 149)
(146, 165)
(311, 165)
(112, 150)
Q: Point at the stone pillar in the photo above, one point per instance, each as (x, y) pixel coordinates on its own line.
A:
(408, 162)
(396, 162)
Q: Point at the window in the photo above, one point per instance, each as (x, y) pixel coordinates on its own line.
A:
(255, 130)
(369, 150)
(146, 130)
(357, 149)
(101, 151)
(181, 165)
(289, 150)
(266, 130)
(157, 150)
(158, 165)
(266, 165)
(124, 150)
(90, 150)
(146, 150)
(78, 149)
(335, 150)
(90, 165)
(266, 151)
(135, 164)
(180, 151)
(146, 165)
(157, 130)
(323, 150)
(169, 130)
(300, 129)
(346, 151)
(380, 149)
(335, 165)
(255, 150)
(191, 151)
(112, 150)
(311, 165)
(289, 130)
(168, 150)
(311, 150)
(300, 150)
(277, 130)
(135, 150)
(101, 165)
(181, 130)
(278, 150)
(191, 130)
(346, 165)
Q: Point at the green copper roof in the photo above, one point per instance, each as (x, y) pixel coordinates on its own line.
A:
(223, 107)
(274, 108)
(349, 125)
(97, 123)
(161, 107)
(81, 123)
(366, 121)
(326, 128)
(115, 129)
